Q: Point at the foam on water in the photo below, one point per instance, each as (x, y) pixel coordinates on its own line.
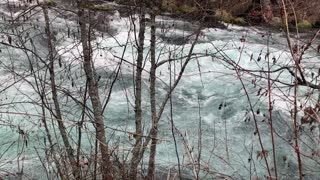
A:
(207, 82)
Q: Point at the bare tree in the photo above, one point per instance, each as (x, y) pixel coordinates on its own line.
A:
(85, 29)
(58, 114)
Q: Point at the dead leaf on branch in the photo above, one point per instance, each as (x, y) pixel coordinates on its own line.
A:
(262, 154)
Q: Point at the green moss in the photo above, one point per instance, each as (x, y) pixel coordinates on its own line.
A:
(50, 3)
(185, 9)
(101, 8)
(304, 24)
(228, 18)
(123, 2)
(238, 21)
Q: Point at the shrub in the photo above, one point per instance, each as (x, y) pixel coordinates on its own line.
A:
(170, 7)
(238, 21)
(228, 18)
(185, 9)
(102, 8)
(304, 24)
(50, 3)
(316, 24)
(277, 21)
(123, 2)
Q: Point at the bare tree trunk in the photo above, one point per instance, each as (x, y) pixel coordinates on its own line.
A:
(151, 168)
(106, 166)
(136, 152)
(154, 132)
(58, 114)
(52, 151)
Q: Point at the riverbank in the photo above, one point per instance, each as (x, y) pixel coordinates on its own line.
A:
(216, 18)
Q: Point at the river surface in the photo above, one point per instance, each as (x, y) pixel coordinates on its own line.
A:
(209, 97)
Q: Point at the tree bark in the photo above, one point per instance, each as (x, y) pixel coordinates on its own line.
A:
(151, 168)
(93, 91)
(136, 152)
(154, 132)
(58, 114)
